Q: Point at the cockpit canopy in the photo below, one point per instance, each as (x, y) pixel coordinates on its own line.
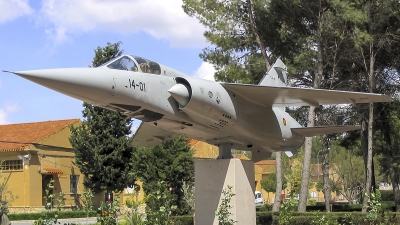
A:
(134, 63)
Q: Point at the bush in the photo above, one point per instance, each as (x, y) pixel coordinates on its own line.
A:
(303, 218)
(262, 219)
(315, 208)
(346, 207)
(182, 220)
(388, 206)
(61, 215)
(387, 195)
(268, 207)
(312, 202)
(264, 208)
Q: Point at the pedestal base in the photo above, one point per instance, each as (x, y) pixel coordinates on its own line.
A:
(212, 177)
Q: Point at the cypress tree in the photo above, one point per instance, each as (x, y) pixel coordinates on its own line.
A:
(103, 152)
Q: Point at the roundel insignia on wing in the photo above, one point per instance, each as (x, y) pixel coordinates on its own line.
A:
(284, 121)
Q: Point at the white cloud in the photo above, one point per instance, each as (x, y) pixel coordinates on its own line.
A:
(205, 71)
(6, 111)
(11, 9)
(160, 18)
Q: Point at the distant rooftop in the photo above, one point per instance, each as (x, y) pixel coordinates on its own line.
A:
(16, 137)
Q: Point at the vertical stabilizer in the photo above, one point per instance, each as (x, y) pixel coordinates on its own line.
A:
(276, 76)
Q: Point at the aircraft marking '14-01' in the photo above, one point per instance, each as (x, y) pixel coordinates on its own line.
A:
(170, 103)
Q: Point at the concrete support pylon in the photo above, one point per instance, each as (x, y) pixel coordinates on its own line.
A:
(212, 177)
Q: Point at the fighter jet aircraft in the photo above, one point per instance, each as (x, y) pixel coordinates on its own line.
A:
(170, 103)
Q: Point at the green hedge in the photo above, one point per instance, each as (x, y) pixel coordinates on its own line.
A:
(61, 215)
(182, 220)
(305, 218)
(387, 195)
(387, 205)
(264, 208)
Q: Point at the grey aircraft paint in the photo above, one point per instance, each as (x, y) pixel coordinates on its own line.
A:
(170, 103)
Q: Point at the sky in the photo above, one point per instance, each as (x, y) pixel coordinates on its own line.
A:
(64, 34)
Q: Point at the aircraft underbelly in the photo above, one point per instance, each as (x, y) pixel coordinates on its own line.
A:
(211, 115)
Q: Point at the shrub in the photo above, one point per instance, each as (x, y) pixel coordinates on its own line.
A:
(182, 220)
(109, 211)
(312, 202)
(61, 215)
(387, 195)
(315, 208)
(223, 213)
(268, 207)
(264, 208)
(303, 218)
(262, 219)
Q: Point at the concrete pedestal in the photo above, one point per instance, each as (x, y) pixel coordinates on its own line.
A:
(213, 176)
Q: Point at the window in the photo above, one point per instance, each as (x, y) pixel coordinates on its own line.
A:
(124, 63)
(313, 194)
(74, 183)
(12, 165)
(148, 66)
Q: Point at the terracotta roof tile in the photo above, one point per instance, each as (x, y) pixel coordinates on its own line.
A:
(52, 171)
(16, 137)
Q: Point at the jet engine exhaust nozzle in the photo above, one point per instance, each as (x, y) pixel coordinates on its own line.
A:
(180, 93)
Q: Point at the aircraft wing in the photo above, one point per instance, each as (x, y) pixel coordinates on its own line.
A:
(316, 131)
(148, 135)
(290, 96)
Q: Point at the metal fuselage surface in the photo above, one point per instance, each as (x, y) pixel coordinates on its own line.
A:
(173, 101)
(245, 117)
(212, 114)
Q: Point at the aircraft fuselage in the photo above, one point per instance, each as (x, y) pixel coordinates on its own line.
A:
(244, 117)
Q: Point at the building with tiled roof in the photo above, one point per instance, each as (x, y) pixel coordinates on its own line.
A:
(34, 153)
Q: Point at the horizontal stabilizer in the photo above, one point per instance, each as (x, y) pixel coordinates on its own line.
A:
(316, 131)
(290, 96)
(149, 135)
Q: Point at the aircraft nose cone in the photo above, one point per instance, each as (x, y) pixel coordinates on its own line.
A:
(180, 93)
(87, 84)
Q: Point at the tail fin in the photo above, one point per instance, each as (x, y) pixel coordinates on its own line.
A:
(276, 76)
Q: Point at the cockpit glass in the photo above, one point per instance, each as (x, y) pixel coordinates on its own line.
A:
(148, 66)
(124, 63)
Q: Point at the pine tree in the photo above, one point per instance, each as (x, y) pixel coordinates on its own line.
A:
(103, 152)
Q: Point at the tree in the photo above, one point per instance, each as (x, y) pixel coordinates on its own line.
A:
(350, 172)
(328, 44)
(279, 182)
(241, 41)
(372, 40)
(387, 141)
(166, 166)
(294, 174)
(103, 152)
(238, 51)
(269, 183)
